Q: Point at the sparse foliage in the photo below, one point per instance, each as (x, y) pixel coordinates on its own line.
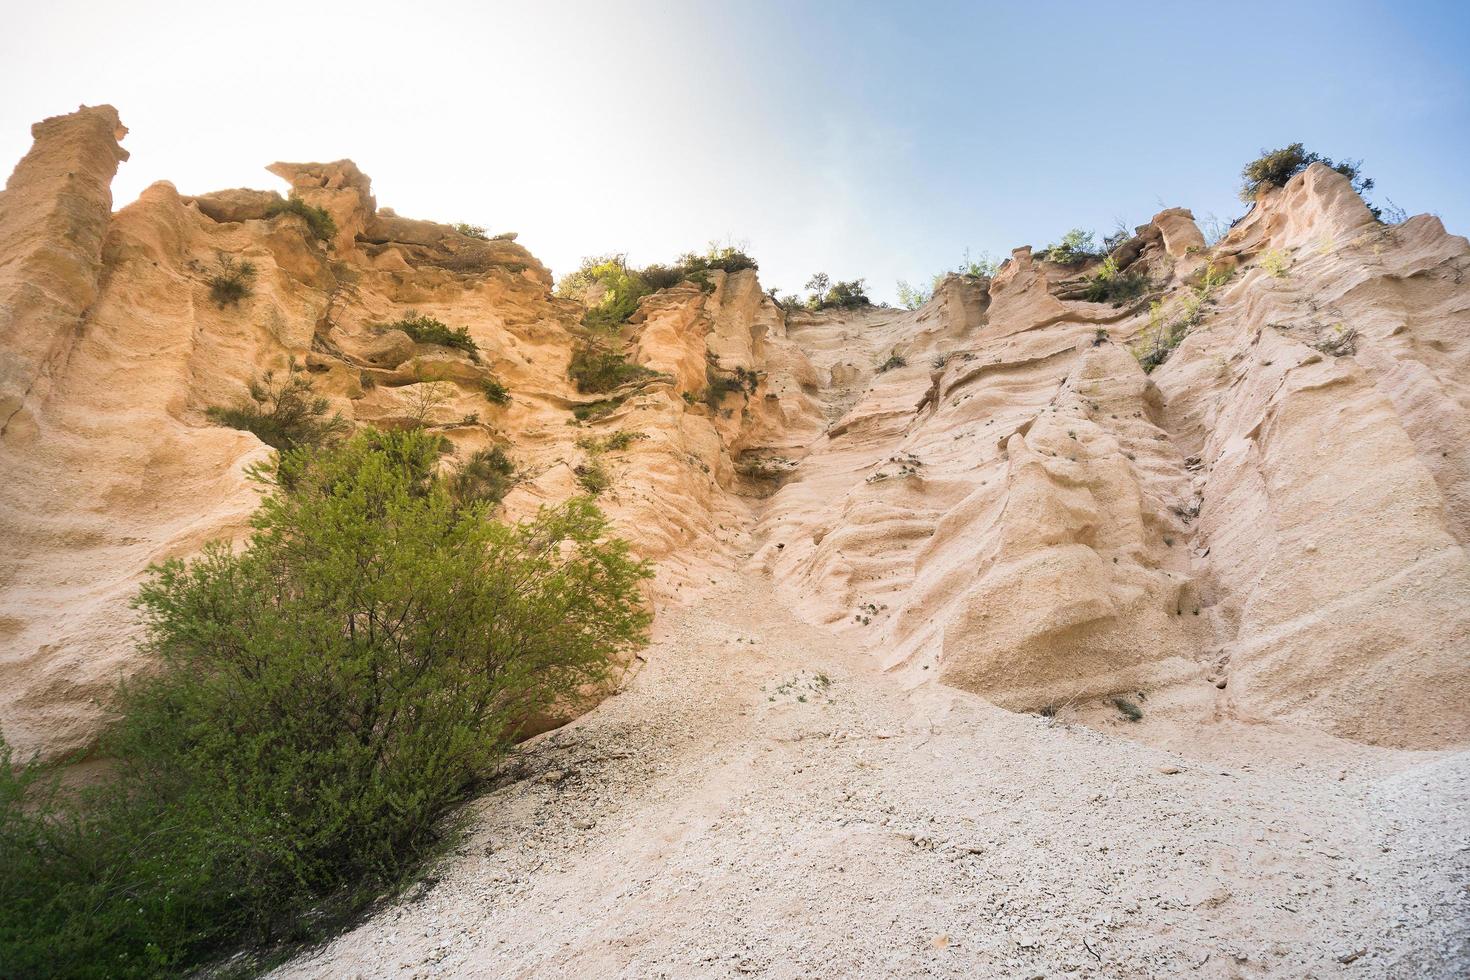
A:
(233, 280)
(321, 224)
(283, 411)
(495, 391)
(1273, 168)
(1076, 246)
(422, 329)
(597, 368)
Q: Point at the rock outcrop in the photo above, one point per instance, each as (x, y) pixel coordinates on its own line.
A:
(990, 490)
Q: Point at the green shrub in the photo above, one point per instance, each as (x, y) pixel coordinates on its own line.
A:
(1108, 285)
(913, 297)
(592, 411)
(318, 221)
(1160, 337)
(617, 442)
(1076, 246)
(427, 330)
(471, 231)
(621, 287)
(283, 412)
(232, 281)
(894, 361)
(1275, 262)
(485, 476)
(322, 699)
(1273, 168)
(1128, 709)
(828, 295)
(495, 391)
(593, 476)
(597, 368)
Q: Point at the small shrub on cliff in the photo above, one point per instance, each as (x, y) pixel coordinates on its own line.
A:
(427, 330)
(232, 281)
(1076, 246)
(471, 231)
(597, 368)
(1273, 168)
(495, 391)
(484, 477)
(1109, 285)
(593, 476)
(318, 221)
(913, 297)
(828, 295)
(613, 287)
(322, 699)
(1128, 709)
(283, 412)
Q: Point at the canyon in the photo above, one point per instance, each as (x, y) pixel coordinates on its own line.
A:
(979, 648)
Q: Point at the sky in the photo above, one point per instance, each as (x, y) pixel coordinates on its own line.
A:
(873, 140)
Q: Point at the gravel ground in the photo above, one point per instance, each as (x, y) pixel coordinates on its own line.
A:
(763, 801)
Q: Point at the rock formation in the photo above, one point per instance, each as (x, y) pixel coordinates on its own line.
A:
(990, 490)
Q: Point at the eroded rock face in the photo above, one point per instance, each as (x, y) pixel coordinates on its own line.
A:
(1272, 520)
(115, 349)
(990, 490)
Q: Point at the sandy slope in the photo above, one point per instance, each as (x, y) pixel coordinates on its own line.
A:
(762, 800)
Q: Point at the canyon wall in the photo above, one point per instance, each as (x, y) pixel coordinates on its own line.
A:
(990, 490)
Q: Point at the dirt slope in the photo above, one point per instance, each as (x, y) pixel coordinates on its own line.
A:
(762, 801)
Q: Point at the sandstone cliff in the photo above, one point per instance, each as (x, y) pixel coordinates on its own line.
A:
(1270, 525)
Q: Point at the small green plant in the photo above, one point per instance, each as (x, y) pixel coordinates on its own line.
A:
(1128, 709)
(1160, 338)
(471, 231)
(423, 329)
(496, 393)
(1273, 168)
(233, 280)
(1341, 342)
(283, 412)
(894, 361)
(321, 225)
(617, 442)
(1076, 246)
(593, 476)
(1109, 285)
(485, 476)
(838, 295)
(597, 368)
(1275, 263)
(913, 297)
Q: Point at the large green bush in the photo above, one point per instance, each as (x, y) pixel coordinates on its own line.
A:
(1273, 168)
(322, 699)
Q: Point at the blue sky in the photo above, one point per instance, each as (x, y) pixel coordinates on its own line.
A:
(861, 139)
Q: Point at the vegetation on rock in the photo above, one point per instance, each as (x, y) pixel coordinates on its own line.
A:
(323, 698)
(597, 368)
(283, 412)
(1273, 168)
(232, 281)
(318, 221)
(423, 329)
